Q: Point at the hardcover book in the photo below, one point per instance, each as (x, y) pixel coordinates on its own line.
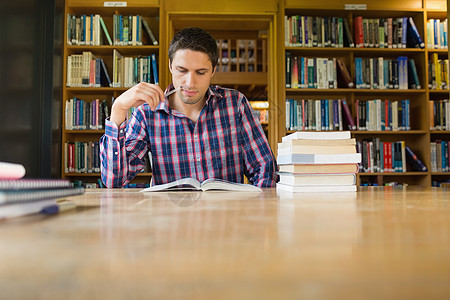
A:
(347, 158)
(316, 189)
(317, 135)
(319, 168)
(317, 179)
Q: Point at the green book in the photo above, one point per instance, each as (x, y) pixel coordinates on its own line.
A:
(105, 30)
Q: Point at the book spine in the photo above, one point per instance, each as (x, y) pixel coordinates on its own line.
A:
(347, 115)
(415, 161)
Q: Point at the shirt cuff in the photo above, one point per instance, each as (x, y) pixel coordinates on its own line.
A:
(113, 131)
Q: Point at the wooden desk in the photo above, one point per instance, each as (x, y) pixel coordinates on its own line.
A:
(379, 243)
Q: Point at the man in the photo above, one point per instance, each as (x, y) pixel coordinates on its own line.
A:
(201, 131)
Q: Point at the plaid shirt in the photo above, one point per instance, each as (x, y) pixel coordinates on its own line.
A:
(226, 142)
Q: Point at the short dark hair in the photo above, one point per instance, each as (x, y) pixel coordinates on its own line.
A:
(195, 39)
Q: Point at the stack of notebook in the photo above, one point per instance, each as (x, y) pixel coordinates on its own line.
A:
(20, 197)
(318, 162)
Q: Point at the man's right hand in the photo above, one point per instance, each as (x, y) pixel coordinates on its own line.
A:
(139, 94)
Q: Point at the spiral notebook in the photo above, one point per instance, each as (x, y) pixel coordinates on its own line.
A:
(10, 197)
(33, 184)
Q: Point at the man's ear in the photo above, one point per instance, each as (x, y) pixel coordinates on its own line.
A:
(213, 71)
(170, 66)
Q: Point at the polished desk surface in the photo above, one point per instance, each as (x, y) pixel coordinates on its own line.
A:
(378, 243)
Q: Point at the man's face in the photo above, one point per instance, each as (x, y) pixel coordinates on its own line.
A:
(193, 71)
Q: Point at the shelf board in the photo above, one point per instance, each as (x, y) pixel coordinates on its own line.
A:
(108, 50)
(439, 91)
(356, 91)
(144, 174)
(335, 51)
(440, 173)
(95, 90)
(440, 132)
(390, 132)
(394, 174)
(85, 131)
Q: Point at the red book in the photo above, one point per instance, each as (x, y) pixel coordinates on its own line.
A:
(390, 157)
(386, 157)
(347, 115)
(71, 158)
(345, 80)
(357, 115)
(359, 37)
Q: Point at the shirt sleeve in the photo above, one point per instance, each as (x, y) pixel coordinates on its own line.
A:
(260, 164)
(122, 150)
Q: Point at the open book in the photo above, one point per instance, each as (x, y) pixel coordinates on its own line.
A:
(191, 184)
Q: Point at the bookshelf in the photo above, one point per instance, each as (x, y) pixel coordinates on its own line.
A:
(261, 76)
(80, 168)
(419, 136)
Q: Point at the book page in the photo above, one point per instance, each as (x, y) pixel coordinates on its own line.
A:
(219, 184)
(185, 184)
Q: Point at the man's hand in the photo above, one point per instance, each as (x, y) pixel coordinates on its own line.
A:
(139, 94)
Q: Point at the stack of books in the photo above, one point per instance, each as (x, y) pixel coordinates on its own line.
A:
(20, 197)
(323, 161)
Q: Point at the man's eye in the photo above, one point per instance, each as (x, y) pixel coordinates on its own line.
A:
(201, 73)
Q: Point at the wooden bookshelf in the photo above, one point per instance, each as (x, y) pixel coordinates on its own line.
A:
(265, 25)
(418, 138)
(151, 11)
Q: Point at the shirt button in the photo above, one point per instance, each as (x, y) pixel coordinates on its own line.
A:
(198, 157)
(121, 130)
(195, 137)
(115, 153)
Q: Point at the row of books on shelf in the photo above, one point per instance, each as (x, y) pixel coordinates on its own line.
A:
(82, 115)
(388, 157)
(383, 115)
(386, 73)
(370, 73)
(437, 34)
(84, 157)
(438, 73)
(334, 114)
(128, 71)
(316, 72)
(439, 114)
(442, 184)
(439, 151)
(85, 70)
(323, 31)
(99, 184)
(127, 30)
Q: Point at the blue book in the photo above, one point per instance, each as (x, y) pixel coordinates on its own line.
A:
(92, 30)
(414, 39)
(358, 73)
(404, 31)
(83, 30)
(414, 160)
(302, 73)
(155, 69)
(407, 114)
